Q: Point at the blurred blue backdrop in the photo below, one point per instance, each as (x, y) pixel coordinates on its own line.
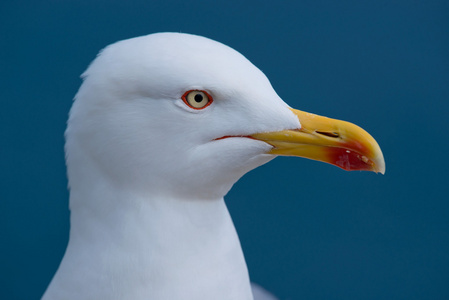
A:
(309, 230)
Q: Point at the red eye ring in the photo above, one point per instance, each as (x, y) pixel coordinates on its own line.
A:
(197, 99)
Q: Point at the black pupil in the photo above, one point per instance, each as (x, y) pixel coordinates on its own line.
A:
(198, 98)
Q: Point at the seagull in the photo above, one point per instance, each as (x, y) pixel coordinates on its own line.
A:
(161, 128)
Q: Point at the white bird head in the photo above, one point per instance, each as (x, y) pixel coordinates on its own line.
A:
(161, 123)
(152, 107)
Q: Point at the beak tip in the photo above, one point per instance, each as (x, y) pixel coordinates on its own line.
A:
(381, 169)
(380, 163)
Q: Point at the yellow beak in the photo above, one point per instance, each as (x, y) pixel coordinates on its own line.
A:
(340, 143)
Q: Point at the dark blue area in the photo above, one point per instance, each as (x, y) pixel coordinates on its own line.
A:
(309, 230)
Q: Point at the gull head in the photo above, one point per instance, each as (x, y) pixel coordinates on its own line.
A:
(183, 115)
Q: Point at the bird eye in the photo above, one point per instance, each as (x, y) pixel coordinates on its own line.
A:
(197, 99)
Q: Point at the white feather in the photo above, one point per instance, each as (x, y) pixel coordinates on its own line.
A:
(147, 177)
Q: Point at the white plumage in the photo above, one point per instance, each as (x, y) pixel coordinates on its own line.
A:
(148, 173)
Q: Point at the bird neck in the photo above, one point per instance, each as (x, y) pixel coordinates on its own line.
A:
(124, 245)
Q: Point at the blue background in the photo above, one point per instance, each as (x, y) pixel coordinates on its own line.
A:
(309, 230)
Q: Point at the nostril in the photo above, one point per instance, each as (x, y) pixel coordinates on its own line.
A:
(329, 134)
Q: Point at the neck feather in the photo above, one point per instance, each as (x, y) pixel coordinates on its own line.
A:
(128, 246)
